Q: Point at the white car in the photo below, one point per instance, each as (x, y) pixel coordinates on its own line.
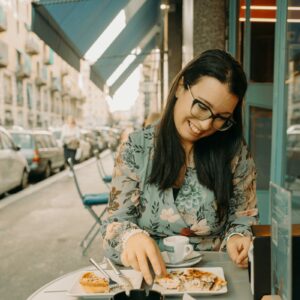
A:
(14, 169)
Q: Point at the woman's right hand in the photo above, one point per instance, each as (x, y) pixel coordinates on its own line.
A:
(138, 251)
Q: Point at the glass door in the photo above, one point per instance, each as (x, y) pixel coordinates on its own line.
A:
(256, 32)
(291, 177)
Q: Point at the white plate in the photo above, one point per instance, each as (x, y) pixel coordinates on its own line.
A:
(77, 290)
(189, 261)
(217, 270)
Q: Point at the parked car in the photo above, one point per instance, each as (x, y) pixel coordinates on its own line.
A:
(41, 150)
(14, 169)
(84, 150)
(101, 143)
(111, 135)
(88, 136)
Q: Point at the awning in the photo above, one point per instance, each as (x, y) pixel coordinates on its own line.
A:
(71, 27)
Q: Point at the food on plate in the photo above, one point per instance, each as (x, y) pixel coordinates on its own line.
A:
(170, 281)
(191, 280)
(93, 283)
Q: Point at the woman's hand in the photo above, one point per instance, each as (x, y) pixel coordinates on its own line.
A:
(237, 249)
(139, 250)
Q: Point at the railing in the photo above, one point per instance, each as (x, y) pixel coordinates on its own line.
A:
(42, 77)
(24, 68)
(32, 46)
(55, 84)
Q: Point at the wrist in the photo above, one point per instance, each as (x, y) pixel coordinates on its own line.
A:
(128, 234)
(234, 234)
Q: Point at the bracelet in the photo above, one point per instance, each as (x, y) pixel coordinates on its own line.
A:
(128, 234)
(232, 234)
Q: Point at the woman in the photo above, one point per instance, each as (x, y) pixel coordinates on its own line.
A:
(70, 137)
(191, 174)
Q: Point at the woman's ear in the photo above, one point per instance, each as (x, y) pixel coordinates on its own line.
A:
(180, 88)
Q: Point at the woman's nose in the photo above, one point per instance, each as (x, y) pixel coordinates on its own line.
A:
(206, 124)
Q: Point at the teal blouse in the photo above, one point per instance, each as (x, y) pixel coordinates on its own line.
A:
(136, 204)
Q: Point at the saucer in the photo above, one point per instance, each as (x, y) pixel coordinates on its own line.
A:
(190, 260)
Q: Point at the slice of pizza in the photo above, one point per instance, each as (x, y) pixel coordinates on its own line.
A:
(194, 279)
(171, 281)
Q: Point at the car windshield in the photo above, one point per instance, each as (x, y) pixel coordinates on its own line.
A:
(57, 134)
(22, 140)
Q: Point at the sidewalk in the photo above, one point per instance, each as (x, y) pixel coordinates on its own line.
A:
(41, 229)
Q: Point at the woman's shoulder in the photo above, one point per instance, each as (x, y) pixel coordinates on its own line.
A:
(142, 136)
(242, 156)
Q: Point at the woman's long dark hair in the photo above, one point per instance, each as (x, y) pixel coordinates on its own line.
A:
(212, 154)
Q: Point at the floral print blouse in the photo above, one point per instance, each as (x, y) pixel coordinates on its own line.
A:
(136, 204)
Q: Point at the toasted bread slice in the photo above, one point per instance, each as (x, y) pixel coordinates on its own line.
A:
(93, 283)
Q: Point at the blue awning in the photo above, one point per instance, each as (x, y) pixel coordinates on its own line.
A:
(70, 27)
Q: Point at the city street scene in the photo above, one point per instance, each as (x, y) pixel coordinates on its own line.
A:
(149, 135)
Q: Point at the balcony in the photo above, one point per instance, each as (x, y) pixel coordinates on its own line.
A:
(55, 84)
(42, 77)
(3, 55)
(66, 86)
(32, 46)
(24, 68)
(3, 20)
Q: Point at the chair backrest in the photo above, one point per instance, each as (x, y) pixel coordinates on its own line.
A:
(99, 164)
(106, 179)
(75, 177)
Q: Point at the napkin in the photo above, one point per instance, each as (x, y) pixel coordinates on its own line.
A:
(187, 297)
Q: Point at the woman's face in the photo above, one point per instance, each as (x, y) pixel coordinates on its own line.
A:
(211, 92)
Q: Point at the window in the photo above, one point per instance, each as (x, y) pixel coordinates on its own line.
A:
(38, 98)
(8, 118)
(260, 143)
(262, 18)
(7, 89)
(45, 100)
(29, 96)
(22, 140)
(19, 92)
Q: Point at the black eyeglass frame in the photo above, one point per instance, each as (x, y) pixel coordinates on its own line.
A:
(229, 120)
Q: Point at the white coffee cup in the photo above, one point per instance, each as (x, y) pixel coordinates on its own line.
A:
(177, 247)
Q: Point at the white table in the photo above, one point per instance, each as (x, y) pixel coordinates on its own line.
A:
(238, 281)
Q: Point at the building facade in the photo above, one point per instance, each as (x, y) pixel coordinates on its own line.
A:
(39, 89)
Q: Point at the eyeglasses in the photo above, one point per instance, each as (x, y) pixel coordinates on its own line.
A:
(203, 112)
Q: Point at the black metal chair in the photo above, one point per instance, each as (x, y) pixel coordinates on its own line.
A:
(90, 201)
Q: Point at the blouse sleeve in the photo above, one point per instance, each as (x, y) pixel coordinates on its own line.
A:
(122, 212)
(242, 210)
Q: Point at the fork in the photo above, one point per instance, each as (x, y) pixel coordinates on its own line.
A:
(104, 273)
(124, 278)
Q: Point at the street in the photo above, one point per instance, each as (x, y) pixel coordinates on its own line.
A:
(41, 229)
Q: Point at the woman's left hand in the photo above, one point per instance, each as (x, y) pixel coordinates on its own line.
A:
(237, 249)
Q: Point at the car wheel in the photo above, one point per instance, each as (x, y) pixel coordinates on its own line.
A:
(24, 181)
(47, 171)
(62, 167)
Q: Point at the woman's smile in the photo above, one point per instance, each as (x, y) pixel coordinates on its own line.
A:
(195, 130)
